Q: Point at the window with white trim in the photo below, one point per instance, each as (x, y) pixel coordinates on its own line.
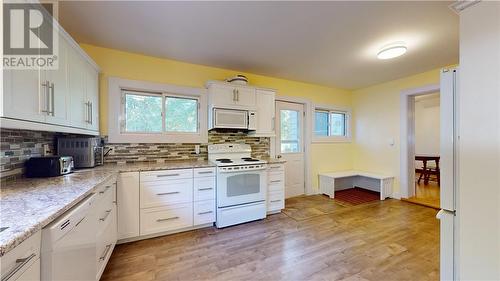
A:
(331, 125)
(148, 112)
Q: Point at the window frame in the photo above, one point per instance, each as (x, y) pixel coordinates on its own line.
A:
(117, 90)
(332, 109)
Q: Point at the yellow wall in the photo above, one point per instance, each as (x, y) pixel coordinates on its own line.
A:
(376, 111)
(114, 63)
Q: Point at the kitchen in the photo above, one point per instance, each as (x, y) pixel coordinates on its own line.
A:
(163, 166)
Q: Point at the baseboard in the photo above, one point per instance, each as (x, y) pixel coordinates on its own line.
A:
(396, 195)
(148, 236)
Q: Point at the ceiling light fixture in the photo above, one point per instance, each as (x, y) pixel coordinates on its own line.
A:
(392, 50)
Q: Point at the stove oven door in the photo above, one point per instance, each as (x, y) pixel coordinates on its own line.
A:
(236, 187)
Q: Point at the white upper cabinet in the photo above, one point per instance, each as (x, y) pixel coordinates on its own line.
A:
(55, 84)
(24, 97)
(65, 99)
(92, 96)
(226, 95)
(265, 113)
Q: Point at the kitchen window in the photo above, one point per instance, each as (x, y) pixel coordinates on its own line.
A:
(331, 125)
(157, 113)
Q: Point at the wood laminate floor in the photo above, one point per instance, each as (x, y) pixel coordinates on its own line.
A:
(314, 239)
(426, 194)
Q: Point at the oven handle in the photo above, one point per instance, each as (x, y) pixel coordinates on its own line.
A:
(241, 171)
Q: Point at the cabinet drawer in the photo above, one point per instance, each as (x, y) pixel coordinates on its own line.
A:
(275, 201)
(161, 193)
(204, 172)
(166, 175)
(204, 188)
(105, 242)
(276, 187)
(24, 257)
(276, 168)
(155, 220)
(276, 178)
(204, 212)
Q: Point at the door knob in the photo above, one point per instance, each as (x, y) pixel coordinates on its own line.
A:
(278, 156)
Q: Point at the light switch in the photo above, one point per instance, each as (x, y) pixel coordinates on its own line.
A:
(391, 142)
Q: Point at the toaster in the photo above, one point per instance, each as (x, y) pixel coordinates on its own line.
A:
(48, 166)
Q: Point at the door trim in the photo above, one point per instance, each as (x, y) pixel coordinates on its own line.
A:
(407, 135)
(308, 189)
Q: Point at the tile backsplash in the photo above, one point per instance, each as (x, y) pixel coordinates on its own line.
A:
(123, 153)
(19, 145)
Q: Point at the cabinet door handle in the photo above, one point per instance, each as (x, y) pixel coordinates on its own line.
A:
(106, 216)
(91, 106)
(45, 86)
(106, 188)
(274, 201)
(167, 175)
(167, 219)
(205, 172)
(105, 253)
(206, 188)
(204, 213)
(168, 193)
(275, 181)
(51, 92)
(234, 94)
(237, 95)
(19, 264)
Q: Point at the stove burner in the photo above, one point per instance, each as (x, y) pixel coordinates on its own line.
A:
(248, 159)
(224, 160)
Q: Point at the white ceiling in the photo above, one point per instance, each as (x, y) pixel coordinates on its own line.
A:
(328, 43)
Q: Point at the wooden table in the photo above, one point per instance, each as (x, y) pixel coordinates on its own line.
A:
(425, 171)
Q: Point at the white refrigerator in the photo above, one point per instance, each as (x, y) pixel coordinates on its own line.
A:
(449, 173)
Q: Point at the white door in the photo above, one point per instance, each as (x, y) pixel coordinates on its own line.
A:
(290, 145)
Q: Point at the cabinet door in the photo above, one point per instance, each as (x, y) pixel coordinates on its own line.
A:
(128, 205)
(265, 112)
(24, 97)
(221, 96)
(58, 94)
(92, 95)
(245, 96)
(32, 273)
(79, 109)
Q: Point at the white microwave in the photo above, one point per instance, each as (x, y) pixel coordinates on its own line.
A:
(233, 119)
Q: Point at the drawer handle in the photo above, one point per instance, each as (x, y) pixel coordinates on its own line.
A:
(167, 219)
(19, 264)
(276, 181)
(274, 201)
(167, 175)
(205, 172)
(204, 213)
(275, 167)
(105, 253)
(106, 215)
(105, 189)
(206, 188)
(168, 193)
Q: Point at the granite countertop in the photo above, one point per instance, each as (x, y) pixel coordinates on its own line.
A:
(28, 205)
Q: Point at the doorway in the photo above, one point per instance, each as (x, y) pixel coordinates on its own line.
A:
(426, 124)
(289, 144)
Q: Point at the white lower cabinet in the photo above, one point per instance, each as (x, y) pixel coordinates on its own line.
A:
(276, 188)
(127, 195)
(22, 262)
(162, 219)
(154, 202)
(204, 212)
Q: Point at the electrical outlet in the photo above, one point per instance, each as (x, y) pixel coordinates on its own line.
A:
(197, 149)
(46, 150)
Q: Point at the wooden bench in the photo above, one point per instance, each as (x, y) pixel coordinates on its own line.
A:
(330, 182)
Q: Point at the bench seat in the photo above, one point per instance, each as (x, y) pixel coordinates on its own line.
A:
(332, 181)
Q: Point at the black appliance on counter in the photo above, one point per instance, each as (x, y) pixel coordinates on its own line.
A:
(48, 166)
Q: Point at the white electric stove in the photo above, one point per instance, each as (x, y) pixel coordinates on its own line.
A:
(241, 184)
